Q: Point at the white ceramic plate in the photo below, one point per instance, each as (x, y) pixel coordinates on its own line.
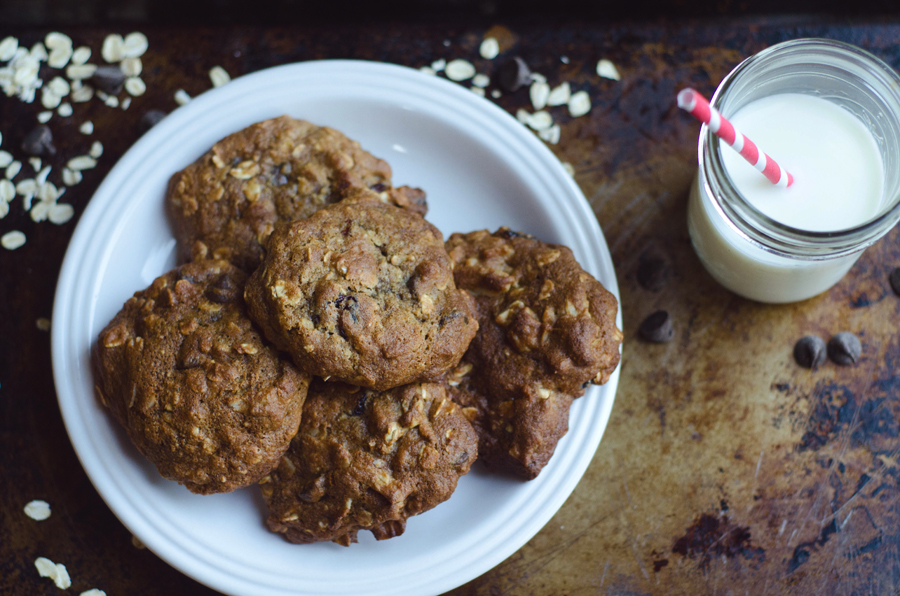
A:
(480, 168)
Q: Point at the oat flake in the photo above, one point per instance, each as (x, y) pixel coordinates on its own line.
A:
(560, 95)
(460, 70)
(219, 76)
(41, 507)
(540, 120)
(56, 40)
(427, 70)
(182, 97)
(481, 80)
(65, 110)
(112, 101)
(489, 48)
(539, 93)
(86, 128)
(551, 135)
(93, 592)
(44, 117)
(82, 94)
(579, 104)
(477, 91)
(131, 67)
(60, 86)
(523, 116)
(439, 65)
(60, 213)
(81, 55)
(134, 45)
(135, 86)
(608, 70)
(7, 190)
(59, 57)
(78, 72)
(112, 50)
(55, 571)
(49, 99)
(12, 240)
(82, 162)
(568, 168)
(35, 163)
(6, 158)
(71, 177)
(13, 169)
(8, 48)
(96, 149)
(496, 94)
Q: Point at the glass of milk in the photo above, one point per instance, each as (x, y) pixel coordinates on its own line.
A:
(827, 112)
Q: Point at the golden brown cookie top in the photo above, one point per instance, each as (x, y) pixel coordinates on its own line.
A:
(362, 292)
(227, 203)
(188, 375)
(368, 460)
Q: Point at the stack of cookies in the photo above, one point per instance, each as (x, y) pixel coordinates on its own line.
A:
(323, 341)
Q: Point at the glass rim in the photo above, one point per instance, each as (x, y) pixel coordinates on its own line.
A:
(754, 225)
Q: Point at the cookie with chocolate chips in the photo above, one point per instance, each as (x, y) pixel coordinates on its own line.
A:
(362, 292)
(368, 460)
(547, 329)
(189, 376)
(227, 203)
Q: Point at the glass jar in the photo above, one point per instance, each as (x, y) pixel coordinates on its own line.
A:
(748, 252)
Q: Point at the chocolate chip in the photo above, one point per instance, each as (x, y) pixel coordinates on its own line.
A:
(844, 348)
(895, 280)
(378, 187)
(510, 234)
(361, 404)
(513, 74)
(657, 328)
(108, 79)
(653, 271)
(809, 352)
(39, 142)
(150, 119)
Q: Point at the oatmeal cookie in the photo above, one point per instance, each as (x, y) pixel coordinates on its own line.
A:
(546, 331)
(368, 460)
(188, 375)
(362, 292)
(226, 203)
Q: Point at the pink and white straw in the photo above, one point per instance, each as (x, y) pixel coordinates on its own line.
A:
(698, 106)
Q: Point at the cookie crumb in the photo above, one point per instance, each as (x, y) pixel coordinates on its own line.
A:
(38, 510)
(136, 542)
(43, 324)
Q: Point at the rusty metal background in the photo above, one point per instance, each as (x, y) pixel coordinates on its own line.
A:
(725, 469)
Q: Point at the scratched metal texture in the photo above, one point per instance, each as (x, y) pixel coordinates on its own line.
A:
(725, 469)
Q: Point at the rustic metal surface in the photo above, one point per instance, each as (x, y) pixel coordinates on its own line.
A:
(725, 469)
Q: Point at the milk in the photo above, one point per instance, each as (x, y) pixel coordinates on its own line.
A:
(837, 166)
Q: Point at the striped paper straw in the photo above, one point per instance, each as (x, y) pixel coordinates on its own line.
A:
(698, 106)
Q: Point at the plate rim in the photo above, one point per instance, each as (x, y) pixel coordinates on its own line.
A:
(592, 237)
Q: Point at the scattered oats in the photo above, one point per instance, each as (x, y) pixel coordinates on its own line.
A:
(568, 168)
(481, 80)
(579, 104)
(42, 324)
(126, 103)
(12, 240)
(112, 101)
(136, 86)
(59, 57)
(12, 170)
(42, 175)
(477, 91)
(35, 163)
(39, 510)
(82, 93)
(489, 48)
(523, 116)
(539, 93)
(131, 67)
(460, 70)
(608, 70)
(60, 86)
(560, 95)
(27, 187)
(551, 135)
(38, 52)
(536, 76)
(6, 158)
(60, 213)
(182, 97)
(427, 70)
(49, 99)
(8, 48)
(219, 76)
(55, 571)
(65, 110)
(70, 177)
(80, 71)
(137, 543)
(7, 191)
(44, 117)
(86, 128)
(496, 94)
(439, 65)
(540, 120)
(564, 59)
(55, 40)
(81, 55)
(82, 162)
(4, 209)
(112, 50)
(48, 193)
(135, 45)
(93, 592)
(96, 149)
